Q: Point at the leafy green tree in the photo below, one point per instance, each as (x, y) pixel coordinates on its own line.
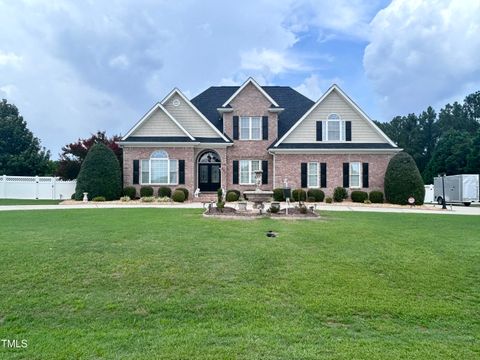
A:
(455, 117)
(473, 159)
(450, 155)
(100, 174)
(403, 180)
(20, 151)
(471, 107)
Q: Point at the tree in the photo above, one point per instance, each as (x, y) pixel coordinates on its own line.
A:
(100, 174)
(74, 154)
(403, 180)
(450, 155)
(20, 151)
(456, 117)
(473, 158)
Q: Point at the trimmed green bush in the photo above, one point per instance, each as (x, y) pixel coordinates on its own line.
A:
(278, 194)
(403, 180)
(178, 196)
(146, 191)
(185, 191)
(376, 197)
(299, 195)
(99, 198)
(339, 194)
(233, 195)
(164, 191)
(359, 196)
(147, 199)
(328, 200)
(220, 195)
(130, 191)
(317, 194)
(99, 175)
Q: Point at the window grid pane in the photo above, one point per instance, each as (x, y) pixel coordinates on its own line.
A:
(244, 128)
(333, 130)
(256, 128)
(255, 165)
(145, 172)
(173, 171)
(312, 174)
(244, 172)
(355, 174)
(159, 170)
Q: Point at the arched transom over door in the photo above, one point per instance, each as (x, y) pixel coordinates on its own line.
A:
(209, 176)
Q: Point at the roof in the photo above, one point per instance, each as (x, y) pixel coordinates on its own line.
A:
(325, 145)
(294, 103)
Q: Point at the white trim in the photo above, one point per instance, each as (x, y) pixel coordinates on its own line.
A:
(349, 101)
(171, 144)
(334, 151)
(317, 174)
(360, 180)
(249, 171)
(176, 90)
(275, 110)
(224, 110)
(147, 116)
(168, 160)
(250, 80)
(250, 128)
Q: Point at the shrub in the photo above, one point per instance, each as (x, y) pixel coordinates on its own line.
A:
(220, 206)
(146, 191)
(274, 208)
(164, 199)
(317, 194)
(302, 209)
(147, 199)
(185, 191)
(402, 180)
(99, 198)
(100, 174)
(299, 195)
(219, 195)
(359, 196)
(130, 191)
(125, 198)
(376, 197)
(164, 191)
(278, 194)
(233, 195)
(339, 194)
(178, 196)
(328, 200)
(367, 202)
(72, 197)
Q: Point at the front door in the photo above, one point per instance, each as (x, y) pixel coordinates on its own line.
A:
(209, 177)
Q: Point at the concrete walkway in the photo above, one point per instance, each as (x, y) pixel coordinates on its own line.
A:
(428, 209)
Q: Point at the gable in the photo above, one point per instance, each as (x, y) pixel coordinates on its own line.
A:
(251, 83)
(158, 123)
(188, 117)
(250, 98)
(363, 131)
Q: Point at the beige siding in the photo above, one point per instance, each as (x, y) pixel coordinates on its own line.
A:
(158, 124)
(362, 131)
(188, 118)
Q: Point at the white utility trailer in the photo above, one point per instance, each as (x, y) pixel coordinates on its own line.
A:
(458, 189)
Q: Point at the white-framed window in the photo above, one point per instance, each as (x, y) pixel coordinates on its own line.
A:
(159, 169)
(355, 175)
(335, 128)
(313, 172)
(247, 171)
(250, 128)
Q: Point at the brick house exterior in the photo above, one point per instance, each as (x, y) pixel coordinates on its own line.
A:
(221, 136)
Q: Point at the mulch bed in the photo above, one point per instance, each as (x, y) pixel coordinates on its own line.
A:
(228, 212)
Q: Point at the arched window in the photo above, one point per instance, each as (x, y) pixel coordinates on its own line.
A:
(209, 157)
(159, 169)
(334, 128)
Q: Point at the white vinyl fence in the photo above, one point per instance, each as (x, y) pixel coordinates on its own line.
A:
(35, 187)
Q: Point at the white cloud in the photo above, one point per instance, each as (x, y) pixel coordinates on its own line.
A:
(314, 86)
(10, 58)
(120, 62)
(272, 61)
(424, 53)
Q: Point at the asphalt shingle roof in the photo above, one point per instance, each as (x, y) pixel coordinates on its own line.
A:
(294, 103)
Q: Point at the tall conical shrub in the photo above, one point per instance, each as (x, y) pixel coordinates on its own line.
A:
(99, 175)
(403, 180)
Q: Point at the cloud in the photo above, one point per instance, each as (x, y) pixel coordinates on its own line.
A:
(10, 59)
(314, 86)
(423, 53)
(269, 60)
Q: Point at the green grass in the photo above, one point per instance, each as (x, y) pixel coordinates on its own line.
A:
(167, 283)
(28, 202)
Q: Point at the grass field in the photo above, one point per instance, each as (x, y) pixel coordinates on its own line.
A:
(167, 283)
(28, 202)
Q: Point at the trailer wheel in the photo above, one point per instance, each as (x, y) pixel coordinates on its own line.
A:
(466, 203)
(439, 200)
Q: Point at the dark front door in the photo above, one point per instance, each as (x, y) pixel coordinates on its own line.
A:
(209, 177)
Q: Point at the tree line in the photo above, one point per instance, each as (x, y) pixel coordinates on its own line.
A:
(447, 142)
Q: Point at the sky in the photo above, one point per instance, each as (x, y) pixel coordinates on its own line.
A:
(75, 67)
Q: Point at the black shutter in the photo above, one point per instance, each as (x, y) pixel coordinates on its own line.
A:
(136, 171)
(235, 171)
(181, 171)
(365, 175)
(303, 177)
(265, 127)
(323, 175)
(235, 128)
(264, 172)
(348, 131)
(319, 131)
(346, 175)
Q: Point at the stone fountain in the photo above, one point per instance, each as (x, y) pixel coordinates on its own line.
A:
(259, 196)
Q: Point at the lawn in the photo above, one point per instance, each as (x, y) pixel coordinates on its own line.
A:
(28, 202)
(167, 283)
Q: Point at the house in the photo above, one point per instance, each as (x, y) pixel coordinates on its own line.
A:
(221, 136)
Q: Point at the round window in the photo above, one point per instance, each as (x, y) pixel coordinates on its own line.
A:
(176, 102)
